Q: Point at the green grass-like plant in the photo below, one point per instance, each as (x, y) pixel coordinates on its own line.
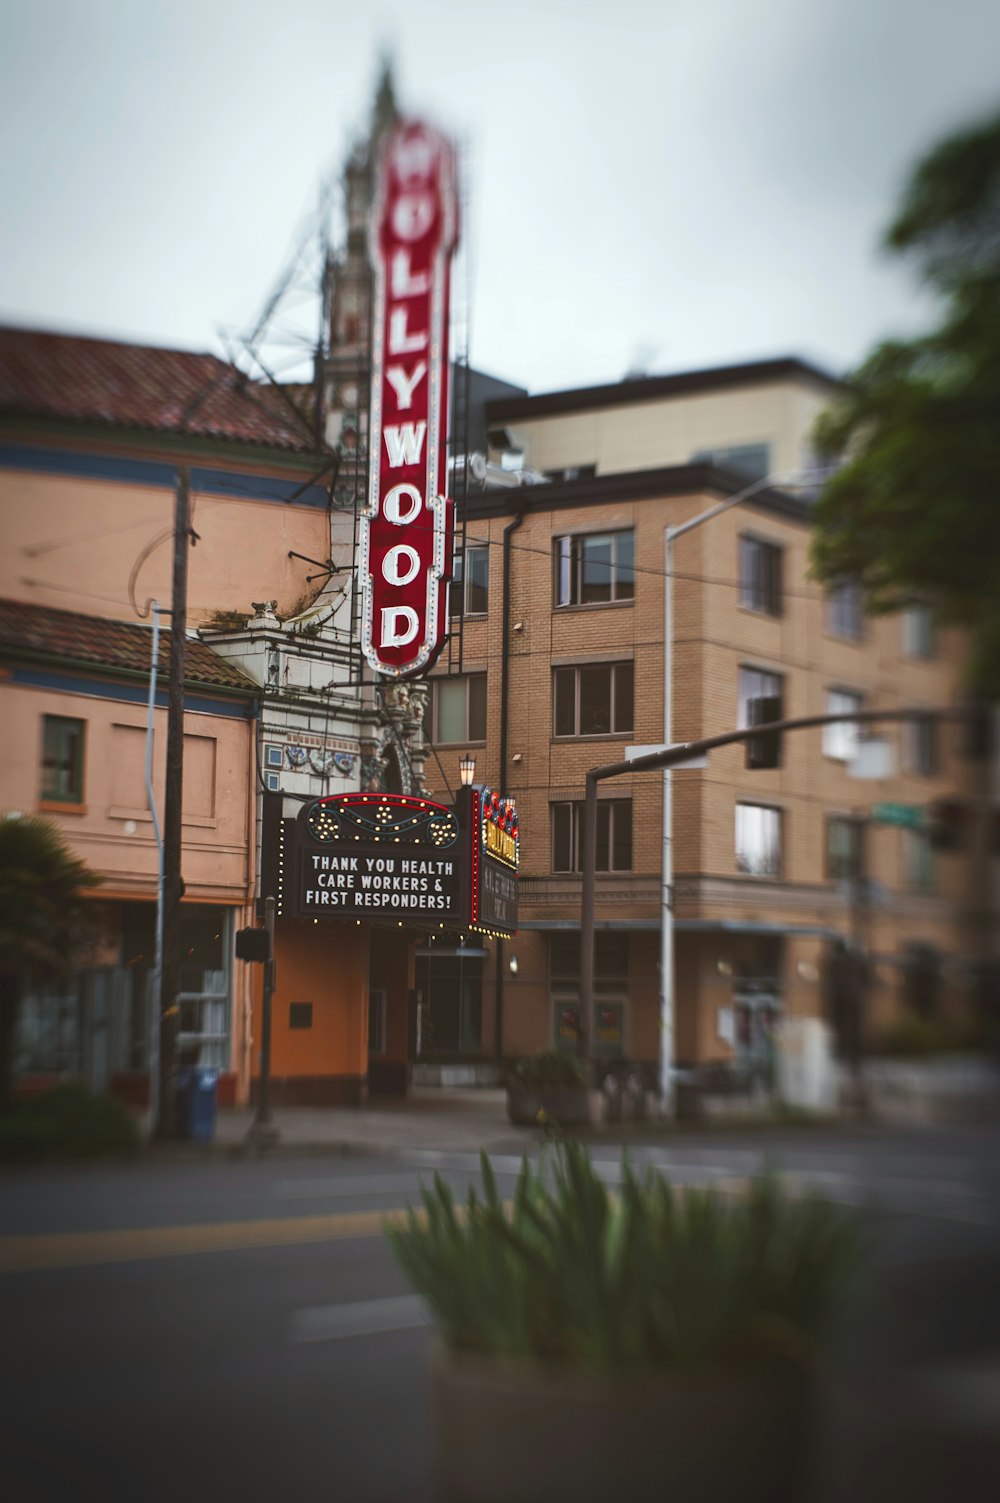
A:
(648, 1278)
(67, 1121)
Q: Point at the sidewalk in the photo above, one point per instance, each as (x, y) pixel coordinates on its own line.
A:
(428, 1118)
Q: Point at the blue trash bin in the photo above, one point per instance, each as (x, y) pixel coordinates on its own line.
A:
(196, 1103)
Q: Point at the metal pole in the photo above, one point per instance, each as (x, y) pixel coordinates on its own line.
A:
(667, 897)
(859, 966)
(667, 966)
(153, 998)
(173, 793)
(586, 1040)
(264, 1095)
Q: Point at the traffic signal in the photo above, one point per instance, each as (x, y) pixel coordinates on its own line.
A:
(253, 944)
(765, 750)
(946, 823)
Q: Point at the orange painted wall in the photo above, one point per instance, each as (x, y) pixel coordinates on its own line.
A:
(326, 965)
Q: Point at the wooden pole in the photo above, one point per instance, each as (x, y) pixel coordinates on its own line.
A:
(173, 793)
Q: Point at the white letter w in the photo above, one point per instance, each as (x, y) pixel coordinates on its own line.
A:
(404, 443)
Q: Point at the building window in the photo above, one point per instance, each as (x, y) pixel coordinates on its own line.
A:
(756, 683)
(920, 753)
(470, 588)
(843, 848)
(300, 1014)
(760, 575)
(594, 701)
(758, 840)
(844, 613)
(614, 836)
(451, 985)
(918, 632)
(610, 991)
(597, 569)
(62, 760)
(840, 741)
(457, 709)
(750, 461)
(918, 861)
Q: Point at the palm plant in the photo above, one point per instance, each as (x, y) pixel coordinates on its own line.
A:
(649, 1278)
(44, 918)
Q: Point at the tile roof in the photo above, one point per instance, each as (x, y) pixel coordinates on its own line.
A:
(64, 377)
(67, 636)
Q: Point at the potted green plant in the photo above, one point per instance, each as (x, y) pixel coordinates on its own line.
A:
(548, 1088)
(652, 1344)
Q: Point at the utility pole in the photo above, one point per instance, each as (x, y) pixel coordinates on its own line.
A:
(166, 1126)
(262, 1129)
(858, 970)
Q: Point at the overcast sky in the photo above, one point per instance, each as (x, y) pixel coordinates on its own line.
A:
(656, 183)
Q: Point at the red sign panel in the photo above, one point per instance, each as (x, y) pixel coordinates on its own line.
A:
(407, 530)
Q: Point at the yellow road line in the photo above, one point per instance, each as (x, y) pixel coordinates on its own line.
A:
(80, 1249)
(27, 1254)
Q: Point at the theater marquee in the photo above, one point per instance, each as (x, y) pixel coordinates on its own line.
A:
(392, 859)
(407, 528)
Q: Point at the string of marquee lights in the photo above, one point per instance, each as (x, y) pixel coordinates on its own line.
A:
(382, 819)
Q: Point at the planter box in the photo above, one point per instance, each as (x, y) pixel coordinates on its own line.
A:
(569, 1108)
(510, 1431)
(953, 1088)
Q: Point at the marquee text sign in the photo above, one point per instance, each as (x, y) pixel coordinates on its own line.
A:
(375, 856)
(393, 859)
(407, 529)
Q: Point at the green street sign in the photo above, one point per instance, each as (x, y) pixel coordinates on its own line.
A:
(908, 816)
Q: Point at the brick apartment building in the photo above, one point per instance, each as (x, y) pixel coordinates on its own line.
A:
(561, 668)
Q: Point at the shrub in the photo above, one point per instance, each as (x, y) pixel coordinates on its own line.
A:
(650, 1278)
(911, 1037)
(547, 1071)
(68, 1120)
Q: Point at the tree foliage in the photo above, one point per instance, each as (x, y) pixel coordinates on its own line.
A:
(914, 513)
(43, 917)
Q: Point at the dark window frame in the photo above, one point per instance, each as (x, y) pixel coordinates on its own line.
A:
(57, 766)
(841, 865)
(614, 832)
(845, 611)
(464, 581)
(619, 713)
(569, 566)
(768, 685)
(761, 575)
(922, 745)
(746, 870)
(474, 716)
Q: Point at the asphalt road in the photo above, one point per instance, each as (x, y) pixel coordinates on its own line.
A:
(238, 1330)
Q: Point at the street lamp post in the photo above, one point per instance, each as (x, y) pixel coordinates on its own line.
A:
(667, 992)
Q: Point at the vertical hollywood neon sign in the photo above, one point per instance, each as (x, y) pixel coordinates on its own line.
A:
(407, 528)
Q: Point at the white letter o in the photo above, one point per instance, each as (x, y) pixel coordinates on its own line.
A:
(413, 215)
(396, 561)
(392, 506)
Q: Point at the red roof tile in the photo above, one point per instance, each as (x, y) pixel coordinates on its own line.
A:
(63, 377)
(67, 636)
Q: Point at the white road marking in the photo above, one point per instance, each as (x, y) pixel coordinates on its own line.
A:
(331, 1186)
(368, 1317)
